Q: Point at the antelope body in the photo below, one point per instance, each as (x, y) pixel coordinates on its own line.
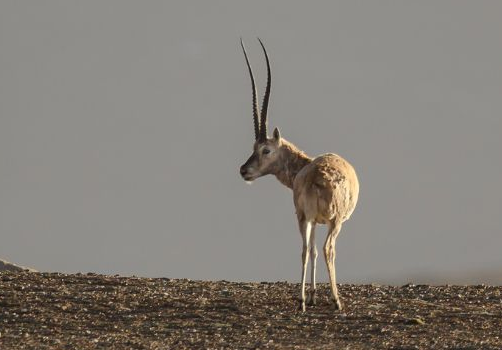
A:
(325, 188)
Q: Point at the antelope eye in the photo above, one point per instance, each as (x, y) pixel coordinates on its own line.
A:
(266, 151)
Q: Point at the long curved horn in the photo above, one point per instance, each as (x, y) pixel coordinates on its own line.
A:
(266, 97)
(255, 101)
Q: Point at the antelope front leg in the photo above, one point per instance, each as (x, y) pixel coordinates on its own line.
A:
(329, 255)
(305, 228)
(313, 259)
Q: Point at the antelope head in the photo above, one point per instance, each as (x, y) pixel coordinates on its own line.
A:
(266, 151)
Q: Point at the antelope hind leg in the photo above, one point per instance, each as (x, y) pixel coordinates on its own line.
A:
(329, 255)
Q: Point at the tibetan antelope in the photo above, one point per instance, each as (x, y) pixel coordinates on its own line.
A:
(325, 189)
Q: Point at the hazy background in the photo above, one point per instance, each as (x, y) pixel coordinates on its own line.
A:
(123, 125)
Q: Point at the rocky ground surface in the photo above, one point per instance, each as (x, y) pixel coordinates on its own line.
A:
(58, 311)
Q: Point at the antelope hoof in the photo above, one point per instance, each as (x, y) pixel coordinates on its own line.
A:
(312, 300)
(338, 304)
(302, 306)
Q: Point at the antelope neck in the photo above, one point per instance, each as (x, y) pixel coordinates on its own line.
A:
(291, 162)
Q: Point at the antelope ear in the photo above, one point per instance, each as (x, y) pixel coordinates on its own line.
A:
(277, 134)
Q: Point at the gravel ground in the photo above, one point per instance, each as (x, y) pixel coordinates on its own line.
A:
(58, 311)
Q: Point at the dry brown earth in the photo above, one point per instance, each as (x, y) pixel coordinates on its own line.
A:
(58, 311)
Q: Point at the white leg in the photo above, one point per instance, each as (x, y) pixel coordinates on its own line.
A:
(313, 260)
(305, 228)
(329, 255)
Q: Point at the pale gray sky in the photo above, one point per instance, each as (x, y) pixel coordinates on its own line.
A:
(123, 125)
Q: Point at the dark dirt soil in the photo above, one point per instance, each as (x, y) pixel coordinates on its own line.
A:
(58, 311)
